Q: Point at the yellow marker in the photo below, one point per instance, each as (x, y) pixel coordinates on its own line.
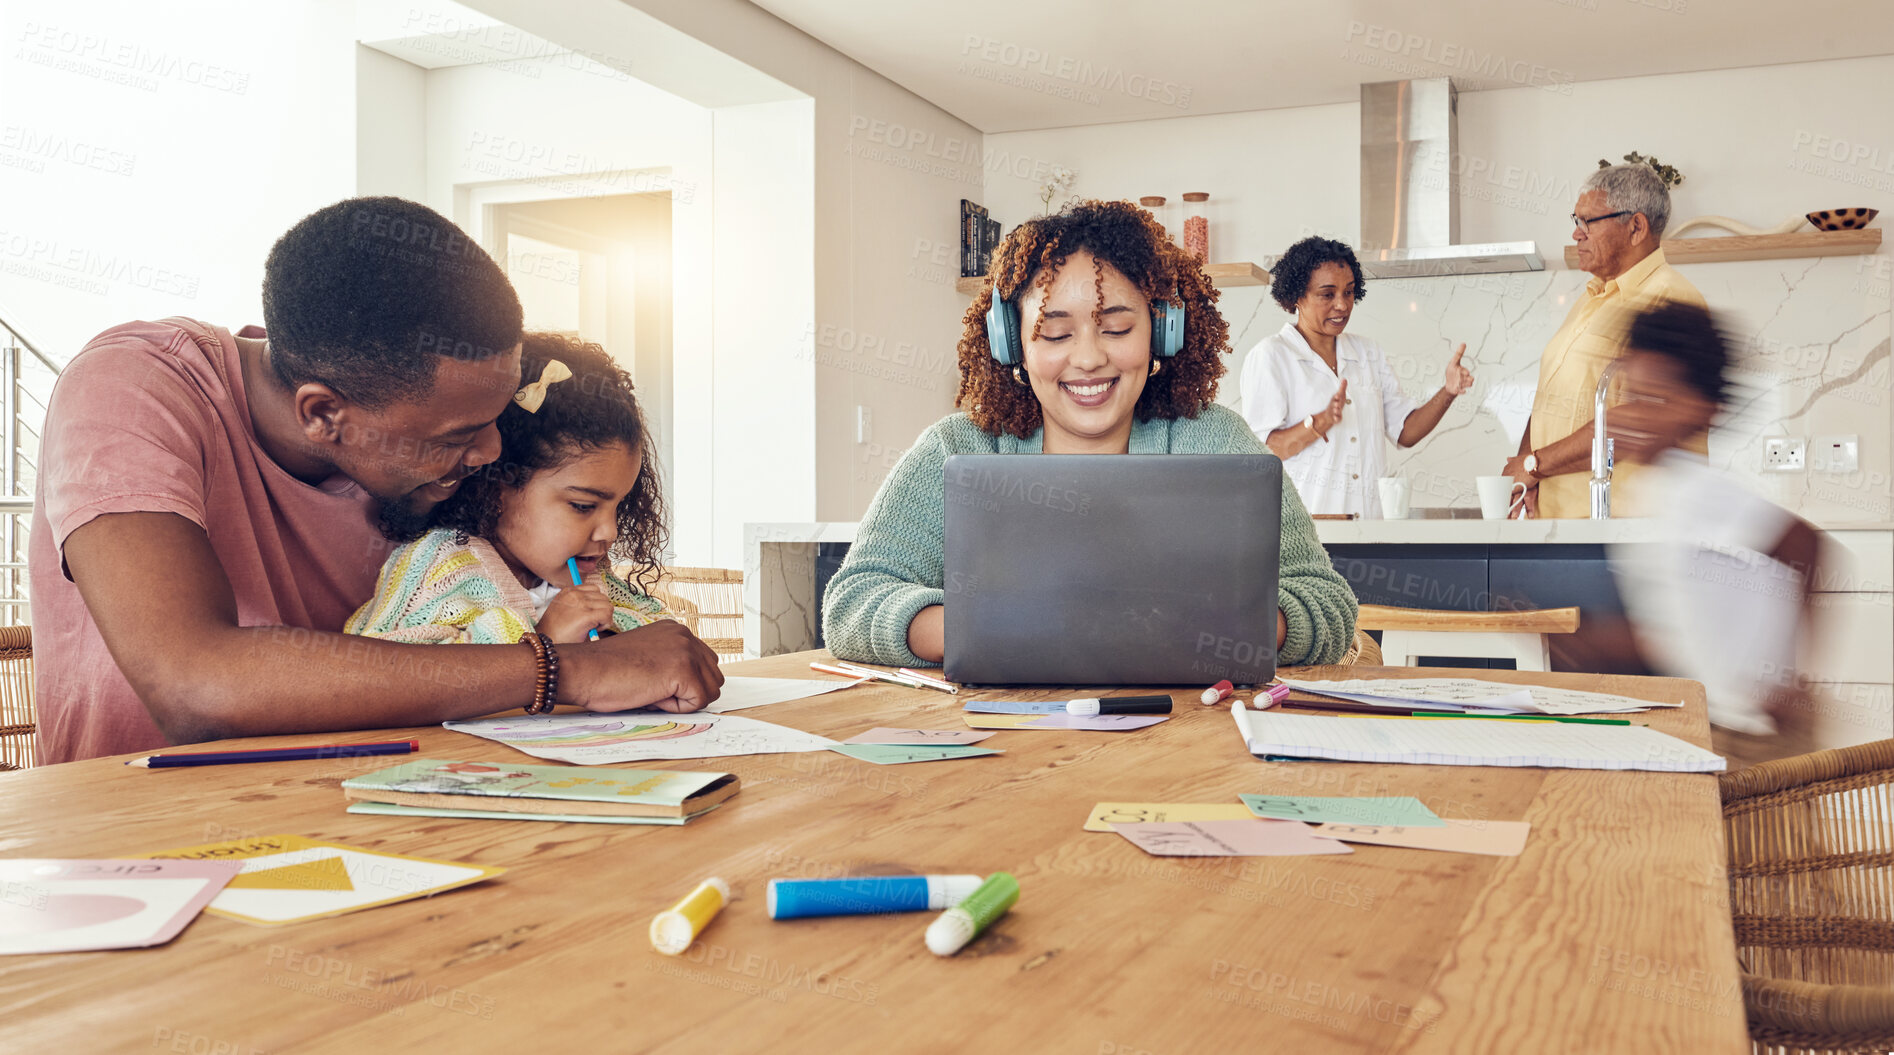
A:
(673, 930)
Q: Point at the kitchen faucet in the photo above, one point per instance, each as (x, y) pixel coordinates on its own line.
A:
(1601, 448)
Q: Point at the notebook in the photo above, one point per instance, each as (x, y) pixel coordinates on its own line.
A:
(488, 787)
(1460, 694)
(1472, 742)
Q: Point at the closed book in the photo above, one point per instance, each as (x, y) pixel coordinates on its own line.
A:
(990, 245)
(967, 241)
(562, 790)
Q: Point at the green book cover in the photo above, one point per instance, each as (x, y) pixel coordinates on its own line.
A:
(592, 791)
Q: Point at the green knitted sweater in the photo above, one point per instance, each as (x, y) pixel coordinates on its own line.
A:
(894, 568)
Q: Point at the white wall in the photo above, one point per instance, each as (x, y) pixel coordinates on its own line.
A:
(390, 126)
(762, 399)
(1759, 144)
(889, 170)
(536, 129)
(148, 160)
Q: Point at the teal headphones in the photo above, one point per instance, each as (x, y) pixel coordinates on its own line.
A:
(1008, 345)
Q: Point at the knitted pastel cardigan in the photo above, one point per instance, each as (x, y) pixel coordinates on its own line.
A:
(894, 568)
(436, 590)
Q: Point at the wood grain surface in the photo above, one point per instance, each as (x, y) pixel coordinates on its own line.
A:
(1611, 932)
(1541, 621)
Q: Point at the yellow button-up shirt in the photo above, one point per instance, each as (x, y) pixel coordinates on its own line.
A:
(1591, 338)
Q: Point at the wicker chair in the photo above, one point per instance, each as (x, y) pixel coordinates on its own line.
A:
(1811, 844)
(17, 723)
(1364, 651)
(710, 602)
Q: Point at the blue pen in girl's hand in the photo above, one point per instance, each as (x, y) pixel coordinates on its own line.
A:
(572, 565)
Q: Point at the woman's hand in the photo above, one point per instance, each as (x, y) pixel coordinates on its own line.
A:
(1459, 379)
(574, 612)
(1331, 415)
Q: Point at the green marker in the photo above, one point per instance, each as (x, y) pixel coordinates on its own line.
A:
(959, 925)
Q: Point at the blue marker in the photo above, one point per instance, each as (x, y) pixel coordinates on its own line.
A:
(867, 895)
(572, 565)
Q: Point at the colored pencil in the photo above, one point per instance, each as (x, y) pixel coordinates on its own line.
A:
(864, 674)
(276, 754)
(1345, 707)
(931, 681)
(1572, 719)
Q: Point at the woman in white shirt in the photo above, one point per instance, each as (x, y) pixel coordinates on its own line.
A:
(1296, 383)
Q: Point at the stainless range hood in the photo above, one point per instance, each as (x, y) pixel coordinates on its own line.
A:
(1410, 188)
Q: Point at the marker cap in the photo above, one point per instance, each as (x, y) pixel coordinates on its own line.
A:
(1082, 708)
(673, 930)
(954, 928)
(1217, 693)
(950, 932)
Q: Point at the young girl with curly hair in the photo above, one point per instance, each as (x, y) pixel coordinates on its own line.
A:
(1085, 282)
(576, 479)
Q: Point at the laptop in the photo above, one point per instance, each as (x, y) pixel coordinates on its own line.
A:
(1130, 569)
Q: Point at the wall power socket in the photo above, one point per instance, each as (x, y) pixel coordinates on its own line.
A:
(1784, 454)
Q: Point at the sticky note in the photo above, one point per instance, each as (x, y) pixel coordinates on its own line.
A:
(1097, 723)
(1251, 837)
(1015, 707)
(895, 754)
(1106, 814)
(1495, 838)
(930, 737)
(1405, 810)
(998, 721)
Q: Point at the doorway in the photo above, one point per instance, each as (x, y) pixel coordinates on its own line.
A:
(599, 268)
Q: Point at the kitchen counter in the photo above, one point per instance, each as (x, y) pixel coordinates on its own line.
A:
(1474, 531)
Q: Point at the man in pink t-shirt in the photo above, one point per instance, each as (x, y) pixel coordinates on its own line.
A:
(211, 508)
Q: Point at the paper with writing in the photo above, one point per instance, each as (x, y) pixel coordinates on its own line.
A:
(1250, 837)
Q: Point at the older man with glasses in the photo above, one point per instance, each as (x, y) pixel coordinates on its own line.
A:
(1618, 224)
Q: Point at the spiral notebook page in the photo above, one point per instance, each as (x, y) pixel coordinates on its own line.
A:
(1477, 742)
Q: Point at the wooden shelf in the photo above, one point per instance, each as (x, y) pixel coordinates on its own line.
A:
(1239, 274)
(1243, 274)
(1762, 246)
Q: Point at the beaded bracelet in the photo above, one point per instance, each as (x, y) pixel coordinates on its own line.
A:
(545, 673)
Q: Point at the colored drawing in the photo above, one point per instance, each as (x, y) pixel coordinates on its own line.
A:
(595, 733)
(593, 739)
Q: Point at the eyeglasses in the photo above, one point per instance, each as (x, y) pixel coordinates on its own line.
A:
(1584, 223)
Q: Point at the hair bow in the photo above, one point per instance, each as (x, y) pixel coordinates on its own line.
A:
(532, 396)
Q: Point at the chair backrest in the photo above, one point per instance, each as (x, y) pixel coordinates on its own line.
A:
(1809, 845)
(18, 723)
(710, 602)
(1364, 651)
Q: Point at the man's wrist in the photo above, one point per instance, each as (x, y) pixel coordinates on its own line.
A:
(573, 663)
(1531, 465)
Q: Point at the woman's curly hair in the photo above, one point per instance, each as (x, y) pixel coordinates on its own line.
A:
(1126, 237)
(1289, 279)
(593, 408)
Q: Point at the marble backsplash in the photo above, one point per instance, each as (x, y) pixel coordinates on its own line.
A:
(1813, 346)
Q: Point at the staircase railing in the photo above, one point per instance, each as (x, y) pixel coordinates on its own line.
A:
(26, 376)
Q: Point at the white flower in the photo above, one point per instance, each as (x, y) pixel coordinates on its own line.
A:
(1058, 181)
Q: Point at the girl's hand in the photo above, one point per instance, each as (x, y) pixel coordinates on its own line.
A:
(1459, 378)
(576, 611)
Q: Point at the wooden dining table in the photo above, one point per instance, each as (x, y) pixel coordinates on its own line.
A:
(1610, 932)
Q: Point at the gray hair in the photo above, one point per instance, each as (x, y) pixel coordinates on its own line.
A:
(1634, 188)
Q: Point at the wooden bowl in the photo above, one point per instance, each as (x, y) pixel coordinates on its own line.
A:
(1842, 219)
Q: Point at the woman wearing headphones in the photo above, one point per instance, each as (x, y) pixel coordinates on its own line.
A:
(1083, 290)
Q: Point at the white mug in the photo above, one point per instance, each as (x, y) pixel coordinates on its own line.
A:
(1393, 497)
(1499, 496)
